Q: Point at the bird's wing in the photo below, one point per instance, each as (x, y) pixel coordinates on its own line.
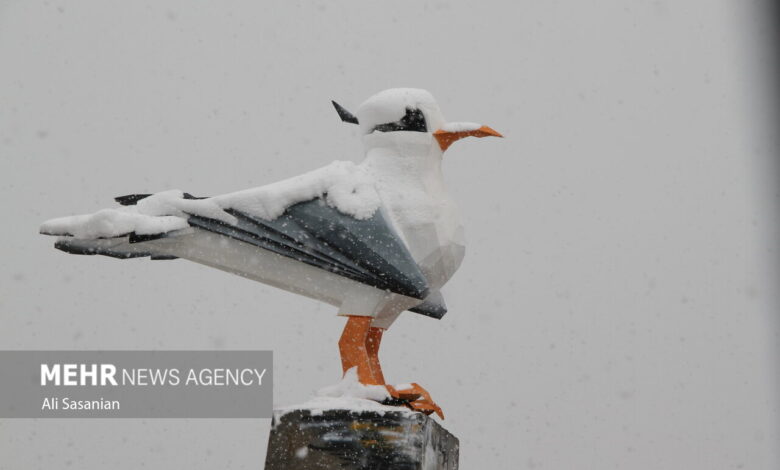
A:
(368, 250)
(330, 218)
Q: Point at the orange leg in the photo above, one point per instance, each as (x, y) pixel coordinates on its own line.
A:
(359, 347)
(354, 348)
(374, 339)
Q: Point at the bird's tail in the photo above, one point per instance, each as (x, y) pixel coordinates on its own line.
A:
(119, 247)
(114, 232)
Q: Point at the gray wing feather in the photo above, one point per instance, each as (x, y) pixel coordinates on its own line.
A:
(368, 251)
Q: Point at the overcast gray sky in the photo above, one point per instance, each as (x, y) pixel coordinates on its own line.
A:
(617, 304)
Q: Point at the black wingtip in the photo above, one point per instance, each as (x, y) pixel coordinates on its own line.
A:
(345, 115)
(130, 199)
(430, 310)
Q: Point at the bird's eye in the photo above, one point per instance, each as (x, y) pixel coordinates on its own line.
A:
(414, 121)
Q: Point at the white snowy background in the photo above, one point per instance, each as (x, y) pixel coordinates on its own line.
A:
(617, 307)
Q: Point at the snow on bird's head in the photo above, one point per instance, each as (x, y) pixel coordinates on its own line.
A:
(387, 109)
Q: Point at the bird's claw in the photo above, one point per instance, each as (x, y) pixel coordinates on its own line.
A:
(414, 397)
(426, 407)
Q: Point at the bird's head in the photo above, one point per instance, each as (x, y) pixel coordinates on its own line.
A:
(409, 120)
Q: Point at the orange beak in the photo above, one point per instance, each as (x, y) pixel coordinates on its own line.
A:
(448, 137)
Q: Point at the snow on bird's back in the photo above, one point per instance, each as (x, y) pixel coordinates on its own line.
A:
(343, 185)
(162, 212)
(108, 223)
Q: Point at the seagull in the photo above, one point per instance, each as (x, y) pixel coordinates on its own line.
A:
(373, 239)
